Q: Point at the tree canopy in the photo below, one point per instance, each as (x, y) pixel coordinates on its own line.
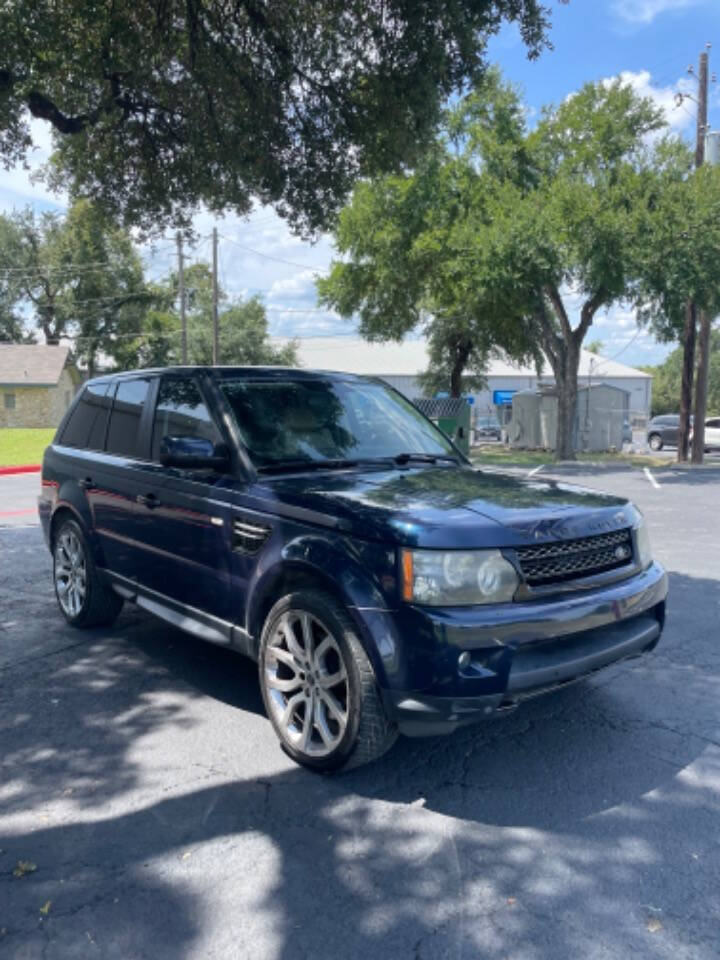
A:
(77, 277)
(159, 106)
(679, 257)
(406, 241)
(495, 236)
(80, 279)
(668, 376)
(242, 326)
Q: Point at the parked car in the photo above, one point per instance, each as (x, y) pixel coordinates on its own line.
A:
(321, 525)
(486, 428)
(712, 434)
(663, 431)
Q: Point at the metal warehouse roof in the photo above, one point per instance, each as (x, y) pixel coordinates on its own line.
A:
(31, 365)
(407, 359)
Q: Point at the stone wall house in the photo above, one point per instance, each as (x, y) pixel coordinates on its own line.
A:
(37, 384)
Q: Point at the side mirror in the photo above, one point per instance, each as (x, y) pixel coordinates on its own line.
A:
(194, 453)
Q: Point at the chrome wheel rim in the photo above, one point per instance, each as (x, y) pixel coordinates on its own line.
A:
(306, 684)
(70, 573)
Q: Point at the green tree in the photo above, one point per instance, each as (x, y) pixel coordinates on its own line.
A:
(242, 327)
(668, 376)
(12, 323)
(573, 232)
(157, 107)
(491, 238)
(80, 278)
(405, 241)
(680, 263)
(595, 346)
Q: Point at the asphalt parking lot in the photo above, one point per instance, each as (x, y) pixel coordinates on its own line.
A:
(141, 779)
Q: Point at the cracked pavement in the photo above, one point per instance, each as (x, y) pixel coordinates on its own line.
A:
(139, 775)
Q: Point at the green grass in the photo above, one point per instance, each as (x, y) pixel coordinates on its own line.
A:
(534, 458)
(18, 446)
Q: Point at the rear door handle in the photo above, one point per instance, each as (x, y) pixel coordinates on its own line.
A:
(86, 483)
(150, 501)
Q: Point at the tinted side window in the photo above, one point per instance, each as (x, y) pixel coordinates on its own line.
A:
(86, 426)
(713, 423)
(181, 412)
(125, 417)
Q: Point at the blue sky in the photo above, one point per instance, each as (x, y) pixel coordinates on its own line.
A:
(650, 42)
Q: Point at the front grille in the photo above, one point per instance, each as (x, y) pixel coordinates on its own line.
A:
(548, 563)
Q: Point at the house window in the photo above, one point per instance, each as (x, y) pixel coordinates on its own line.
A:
(9, 401)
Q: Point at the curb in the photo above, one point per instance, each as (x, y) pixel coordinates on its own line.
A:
(24, 468)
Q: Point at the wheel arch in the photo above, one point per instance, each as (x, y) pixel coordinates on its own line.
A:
(295, 575)
(61, 513)
(65, 510)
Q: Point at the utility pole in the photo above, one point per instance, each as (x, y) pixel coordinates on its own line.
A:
(703, 345)
(181, 291)
(216, 331)
(689, 330)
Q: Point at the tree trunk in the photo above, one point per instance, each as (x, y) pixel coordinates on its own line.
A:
(701, 387)
(562, 347)
(462, 352)
(566, 383)
(687, 381)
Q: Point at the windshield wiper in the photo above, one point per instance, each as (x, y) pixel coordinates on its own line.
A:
(288, 466)
(402, 458)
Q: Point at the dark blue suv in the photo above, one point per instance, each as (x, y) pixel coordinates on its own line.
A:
(320, 524)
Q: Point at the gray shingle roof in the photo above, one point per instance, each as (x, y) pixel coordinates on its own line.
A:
(31, 365)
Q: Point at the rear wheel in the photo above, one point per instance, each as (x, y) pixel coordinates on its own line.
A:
(319, 686)
(83, 598)
(655, 441)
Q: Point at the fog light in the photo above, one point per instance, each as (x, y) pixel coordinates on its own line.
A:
(464, 660)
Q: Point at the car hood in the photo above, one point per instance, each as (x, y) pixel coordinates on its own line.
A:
(446, 506)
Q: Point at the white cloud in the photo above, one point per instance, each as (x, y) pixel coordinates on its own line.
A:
(679, 116)
(645, 11)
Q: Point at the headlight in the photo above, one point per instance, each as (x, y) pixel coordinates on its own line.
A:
(457, 577)
(642, 543)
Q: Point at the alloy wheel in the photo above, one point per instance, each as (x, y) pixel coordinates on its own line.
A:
(306, 683)
(70, 573)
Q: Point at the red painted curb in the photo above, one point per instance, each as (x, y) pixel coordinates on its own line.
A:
(25, 468)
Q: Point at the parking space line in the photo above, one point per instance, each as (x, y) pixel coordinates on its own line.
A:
(531, 473)
(651, 478)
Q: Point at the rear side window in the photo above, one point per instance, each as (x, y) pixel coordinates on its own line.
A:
(181, 412)
(85, 430)
(123, 433)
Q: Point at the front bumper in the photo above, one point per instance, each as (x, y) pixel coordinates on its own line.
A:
(520, 650)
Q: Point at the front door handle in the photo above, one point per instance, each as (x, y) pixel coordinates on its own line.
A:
(150, 501)
(86, 483)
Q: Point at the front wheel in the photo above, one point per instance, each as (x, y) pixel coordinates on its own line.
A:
(655, 441)
(83, 598)
(318, 685)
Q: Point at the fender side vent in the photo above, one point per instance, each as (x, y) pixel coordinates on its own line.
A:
(248, 537)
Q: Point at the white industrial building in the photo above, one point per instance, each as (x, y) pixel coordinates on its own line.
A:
(400, 364)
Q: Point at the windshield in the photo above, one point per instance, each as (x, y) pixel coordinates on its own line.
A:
(318, 420)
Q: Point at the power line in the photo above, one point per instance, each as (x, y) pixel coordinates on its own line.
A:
(61, 268)
(267, 256)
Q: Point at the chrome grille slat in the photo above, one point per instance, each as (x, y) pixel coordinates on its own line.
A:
(546, 563)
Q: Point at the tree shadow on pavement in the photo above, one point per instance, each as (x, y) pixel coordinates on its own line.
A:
(581, 826)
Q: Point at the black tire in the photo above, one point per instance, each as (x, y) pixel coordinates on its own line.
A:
(100, 605)
(655, 441)
(368, 733)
